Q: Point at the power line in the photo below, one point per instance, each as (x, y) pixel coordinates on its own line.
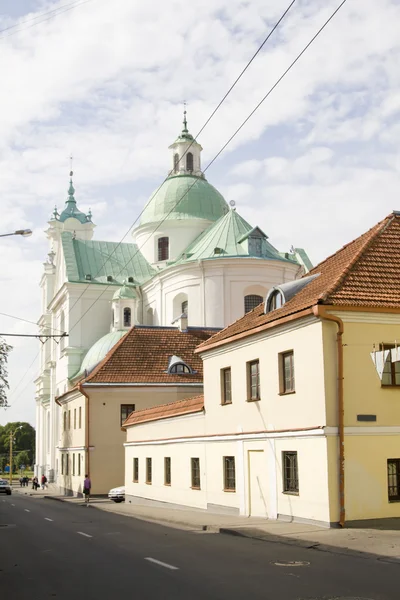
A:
(223, 148)
(26, 321)
(14, 391)
(190, 145)
(56, 11)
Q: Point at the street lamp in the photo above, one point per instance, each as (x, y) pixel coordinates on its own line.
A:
(23, 232)
(12, 433)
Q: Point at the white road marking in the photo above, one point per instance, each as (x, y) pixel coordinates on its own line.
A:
(12, 504)
(162, 564)
(27, 510)
(85, 534)
(47, 519)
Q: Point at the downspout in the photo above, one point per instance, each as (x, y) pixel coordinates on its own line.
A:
(82, 391)
(320, 311)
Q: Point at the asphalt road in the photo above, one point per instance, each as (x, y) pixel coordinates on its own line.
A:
(52, 549)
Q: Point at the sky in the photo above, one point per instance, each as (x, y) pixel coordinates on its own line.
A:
(314, 167)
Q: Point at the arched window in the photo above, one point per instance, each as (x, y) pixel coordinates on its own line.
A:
(251, 301)
(189, 161)
(179, 368)
(163, 248)
(184, 307)
(275, 301)
(127, 317)
(176, 163)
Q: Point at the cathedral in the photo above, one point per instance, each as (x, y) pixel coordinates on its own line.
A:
(191, 255)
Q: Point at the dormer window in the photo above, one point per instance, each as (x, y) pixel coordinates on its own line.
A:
(218, 250)
(163, 248)
(189, 161)
(88, 277)
(130, 280)
(109, 278)
(255, 246)
(275, 301)
(178, 367)
(127, 317)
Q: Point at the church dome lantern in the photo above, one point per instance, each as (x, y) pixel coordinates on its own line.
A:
(124, 308)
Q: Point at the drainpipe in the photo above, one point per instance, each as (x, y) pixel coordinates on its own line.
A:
(320, 311)
(82, 391)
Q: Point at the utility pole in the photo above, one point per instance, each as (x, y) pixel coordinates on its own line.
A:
(12, 433)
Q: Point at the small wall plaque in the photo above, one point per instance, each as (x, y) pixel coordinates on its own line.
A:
(366, 417)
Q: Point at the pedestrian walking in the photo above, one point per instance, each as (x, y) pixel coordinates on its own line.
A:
(44, 481)
(21, 481)
(35, 483)
(87, 485)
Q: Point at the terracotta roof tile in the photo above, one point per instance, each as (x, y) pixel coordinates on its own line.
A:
(365, 272)
(143, 354)
(164, 411)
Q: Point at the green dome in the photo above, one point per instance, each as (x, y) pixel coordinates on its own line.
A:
(125, 292)
(99, 350)
(184, 197)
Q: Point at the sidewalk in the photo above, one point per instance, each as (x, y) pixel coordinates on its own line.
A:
(379, 543)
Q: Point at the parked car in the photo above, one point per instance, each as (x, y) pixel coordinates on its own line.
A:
(117, 494)
(5, 487)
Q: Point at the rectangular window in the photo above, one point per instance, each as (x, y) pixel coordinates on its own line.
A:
(391, 370)
(195, 469)
(73, 464)
(286, 369)
(167, 470)
(74, 418)
(393, 470)
(80, 417)
(229, 474)
(253, 380)
(65, 420)
(126, 410)
(226, 386)
(79, 464)
(148, 470)
(290, 473)
(66, 464)
(69, 419)
(62, 463)
(163, 248)
(135, 470)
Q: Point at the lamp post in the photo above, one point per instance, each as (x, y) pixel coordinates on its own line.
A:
(12, 433)
(23, 232)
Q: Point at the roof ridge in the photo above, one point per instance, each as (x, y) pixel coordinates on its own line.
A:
(379, 228)
(144, 410)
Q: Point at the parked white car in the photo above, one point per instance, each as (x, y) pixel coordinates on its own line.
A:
(5, 487)
(117, 494)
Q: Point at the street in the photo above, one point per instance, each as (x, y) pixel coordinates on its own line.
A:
(51, 549)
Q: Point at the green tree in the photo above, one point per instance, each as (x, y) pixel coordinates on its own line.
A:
(5, 349)
(22, 458)
(24, 439)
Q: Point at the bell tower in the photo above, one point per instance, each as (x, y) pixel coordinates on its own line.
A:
(186, 153)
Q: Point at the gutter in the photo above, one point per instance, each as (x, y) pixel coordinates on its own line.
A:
(82, 391)
(320, 311)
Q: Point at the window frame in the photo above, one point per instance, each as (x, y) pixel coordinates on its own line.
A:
(126, 406)
(80, 417)
(252, 304)
(62, 463)
(163, 248)
(249, 366)
(127, 316)
(79, 464)
(284, 389)
(65, 420)
(185, 369)
(74, 418)
(73, 464)
(195, 475)
(167, 470)
(149, 470)
(226, 389)
(189, 162)
(396, 463)
(69, 419)
(393, 373)
(272, 304)
(228, 477)
(67, 464)
(290, 481)
(135, 477)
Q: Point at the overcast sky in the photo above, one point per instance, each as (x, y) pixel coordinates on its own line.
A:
(315, 166)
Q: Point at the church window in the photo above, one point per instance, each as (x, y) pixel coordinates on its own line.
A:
(251, 301)
(163, 248)
(176, 163)
(189, 161)
(184, 307)
(127, 317)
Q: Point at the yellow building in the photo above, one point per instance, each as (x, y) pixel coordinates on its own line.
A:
(147, 367)
(301, 412)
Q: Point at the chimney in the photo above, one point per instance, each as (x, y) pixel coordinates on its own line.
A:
(182, 321)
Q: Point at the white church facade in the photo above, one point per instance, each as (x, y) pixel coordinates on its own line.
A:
(191, 254)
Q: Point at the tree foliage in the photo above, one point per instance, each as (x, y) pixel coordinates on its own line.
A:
(23, 458)
(24, 439)
(5, 349)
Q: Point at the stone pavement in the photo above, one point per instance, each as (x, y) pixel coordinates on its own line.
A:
(380, 540)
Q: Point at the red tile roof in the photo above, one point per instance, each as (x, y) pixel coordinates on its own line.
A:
(164, 411)
(364, 273)
(143, 354)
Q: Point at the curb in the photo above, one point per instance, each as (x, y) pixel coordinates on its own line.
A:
(308, 544)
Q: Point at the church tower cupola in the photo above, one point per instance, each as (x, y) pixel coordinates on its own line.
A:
(124, 308)
(186, 153)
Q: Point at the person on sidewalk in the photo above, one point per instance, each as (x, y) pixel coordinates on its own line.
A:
(44, 481)
(87, 484)
(35, 483)
(21, 481)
